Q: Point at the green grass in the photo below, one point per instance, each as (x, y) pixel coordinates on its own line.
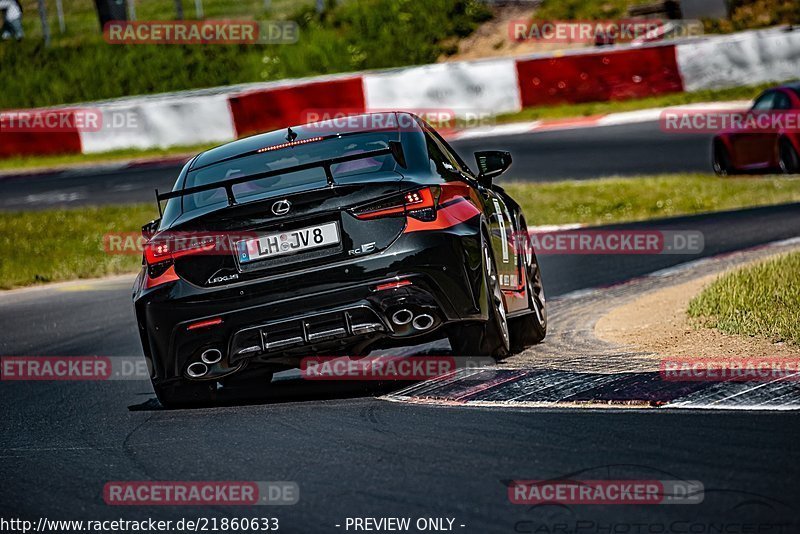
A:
(353, 35)
(745, 14)
(80, 16)
(762, 300)
(613, 200)
(584, 9)
(48, 246)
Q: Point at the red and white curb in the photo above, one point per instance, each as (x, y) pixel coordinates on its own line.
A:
(592, 121)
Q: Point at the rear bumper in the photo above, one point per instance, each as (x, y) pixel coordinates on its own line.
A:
(332, 309)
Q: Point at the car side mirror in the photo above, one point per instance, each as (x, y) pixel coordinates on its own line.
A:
(492, 163)
(150, 229)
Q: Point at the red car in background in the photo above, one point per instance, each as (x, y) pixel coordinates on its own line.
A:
(751, 149)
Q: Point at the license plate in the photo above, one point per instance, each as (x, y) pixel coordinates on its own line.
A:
(280, 244)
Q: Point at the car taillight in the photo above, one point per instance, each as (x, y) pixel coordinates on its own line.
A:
(166, 248)
(161, 251)
(420, 204)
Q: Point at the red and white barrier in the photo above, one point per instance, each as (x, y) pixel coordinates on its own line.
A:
(270, 108)
(741, 58)
(599, 75)
(22, 135)
(462, 88)
(161, 123)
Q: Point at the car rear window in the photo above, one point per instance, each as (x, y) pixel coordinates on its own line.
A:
(286, 158)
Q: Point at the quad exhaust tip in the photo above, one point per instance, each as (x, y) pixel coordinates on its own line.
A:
(211, 356)
(402, 317)
(197, 370)
(423, 322)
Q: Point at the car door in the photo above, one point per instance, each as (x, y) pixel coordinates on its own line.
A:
(752, 147)
(501, 224)
(782, 104)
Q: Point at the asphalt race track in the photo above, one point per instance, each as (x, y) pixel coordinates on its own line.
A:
(353, 454)
(581, 153)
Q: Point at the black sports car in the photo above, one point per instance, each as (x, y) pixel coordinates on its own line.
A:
(331, 239)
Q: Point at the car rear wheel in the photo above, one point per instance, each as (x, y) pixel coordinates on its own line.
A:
(242, 386)
(530, 329)
(492, 337)
(721, 160)
(184, 394)
(789, 160)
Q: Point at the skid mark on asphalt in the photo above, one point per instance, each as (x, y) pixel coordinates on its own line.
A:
(573, 368)
(535, 388)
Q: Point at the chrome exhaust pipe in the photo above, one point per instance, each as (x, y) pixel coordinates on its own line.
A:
(423, 322)
(401, 317)
(211, 356)
(197, 370)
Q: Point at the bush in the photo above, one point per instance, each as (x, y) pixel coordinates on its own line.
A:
(750, 14)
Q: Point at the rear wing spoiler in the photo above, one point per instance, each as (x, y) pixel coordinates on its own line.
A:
(395, 149)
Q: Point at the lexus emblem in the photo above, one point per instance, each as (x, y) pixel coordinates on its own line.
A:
(281, 207)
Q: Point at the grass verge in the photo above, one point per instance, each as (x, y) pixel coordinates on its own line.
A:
(48, 246)
(348, 36)
(612, 200)
(761, 300)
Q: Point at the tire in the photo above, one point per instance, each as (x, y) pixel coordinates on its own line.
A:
(492, 337)
(530, 329)
(183, 394)
(721, 160)
(788, 159)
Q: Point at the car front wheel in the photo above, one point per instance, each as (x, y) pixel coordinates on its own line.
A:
(721, 160)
